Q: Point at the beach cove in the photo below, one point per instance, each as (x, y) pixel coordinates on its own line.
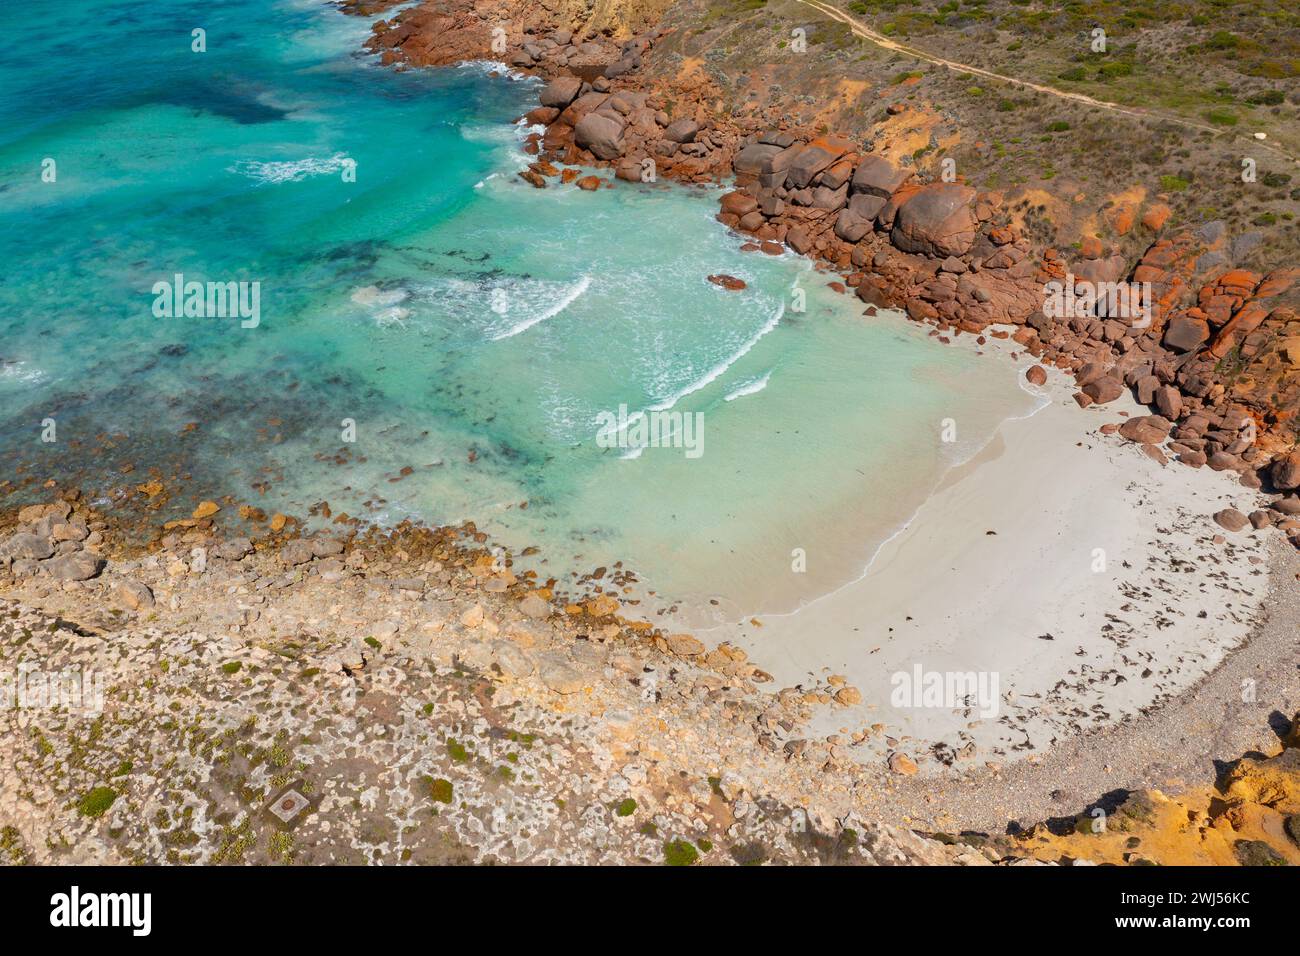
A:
(438, 342)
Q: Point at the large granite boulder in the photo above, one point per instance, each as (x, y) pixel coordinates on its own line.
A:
(584, 104)
(937, 220)
(877, 176)
(1186, 333)
(1286, 472)
(681, 131)
(756, 158)
(600, 134)
(560, 92)
(857, 218)
(813, 158)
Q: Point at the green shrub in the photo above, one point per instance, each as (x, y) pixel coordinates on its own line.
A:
(95, 803)
(1266, 98)
(680, 853)
(440, 790)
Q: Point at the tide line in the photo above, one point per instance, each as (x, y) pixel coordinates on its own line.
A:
(578, 289)
(710, 376)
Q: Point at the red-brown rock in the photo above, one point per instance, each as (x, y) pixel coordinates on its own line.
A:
(936, 220)
(730, 283)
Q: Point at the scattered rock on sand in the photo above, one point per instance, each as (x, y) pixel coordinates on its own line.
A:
(848, 696)
(1231, 519)
(683, 645)
(1103, 390)
(1146, 429)
(1036, 375)
(902, 763)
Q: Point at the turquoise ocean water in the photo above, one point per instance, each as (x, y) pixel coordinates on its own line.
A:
(461, 323)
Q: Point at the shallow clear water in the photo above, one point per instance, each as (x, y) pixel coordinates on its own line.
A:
(473, 328)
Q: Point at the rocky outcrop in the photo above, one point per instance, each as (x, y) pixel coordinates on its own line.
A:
(465, 686)
(937, 220)
(1249, 817)
(600, 134)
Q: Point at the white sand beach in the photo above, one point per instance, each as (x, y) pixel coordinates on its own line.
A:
(1065, 572)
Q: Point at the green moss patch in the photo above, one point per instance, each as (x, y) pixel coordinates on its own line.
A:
(95, 803)
(680, 853)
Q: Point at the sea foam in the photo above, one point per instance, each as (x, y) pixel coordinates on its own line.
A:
(290, 171)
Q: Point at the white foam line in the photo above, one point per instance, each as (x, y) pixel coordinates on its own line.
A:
(579, 287)
(710, 376)
(496, 66)
(749, 388)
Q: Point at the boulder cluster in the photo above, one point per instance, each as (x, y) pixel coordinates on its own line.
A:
(949, 255)
(52, 541)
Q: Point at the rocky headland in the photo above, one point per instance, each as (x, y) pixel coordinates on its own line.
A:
(404, 697)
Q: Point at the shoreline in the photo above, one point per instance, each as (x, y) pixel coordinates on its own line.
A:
(950, 475)
(960, 568)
